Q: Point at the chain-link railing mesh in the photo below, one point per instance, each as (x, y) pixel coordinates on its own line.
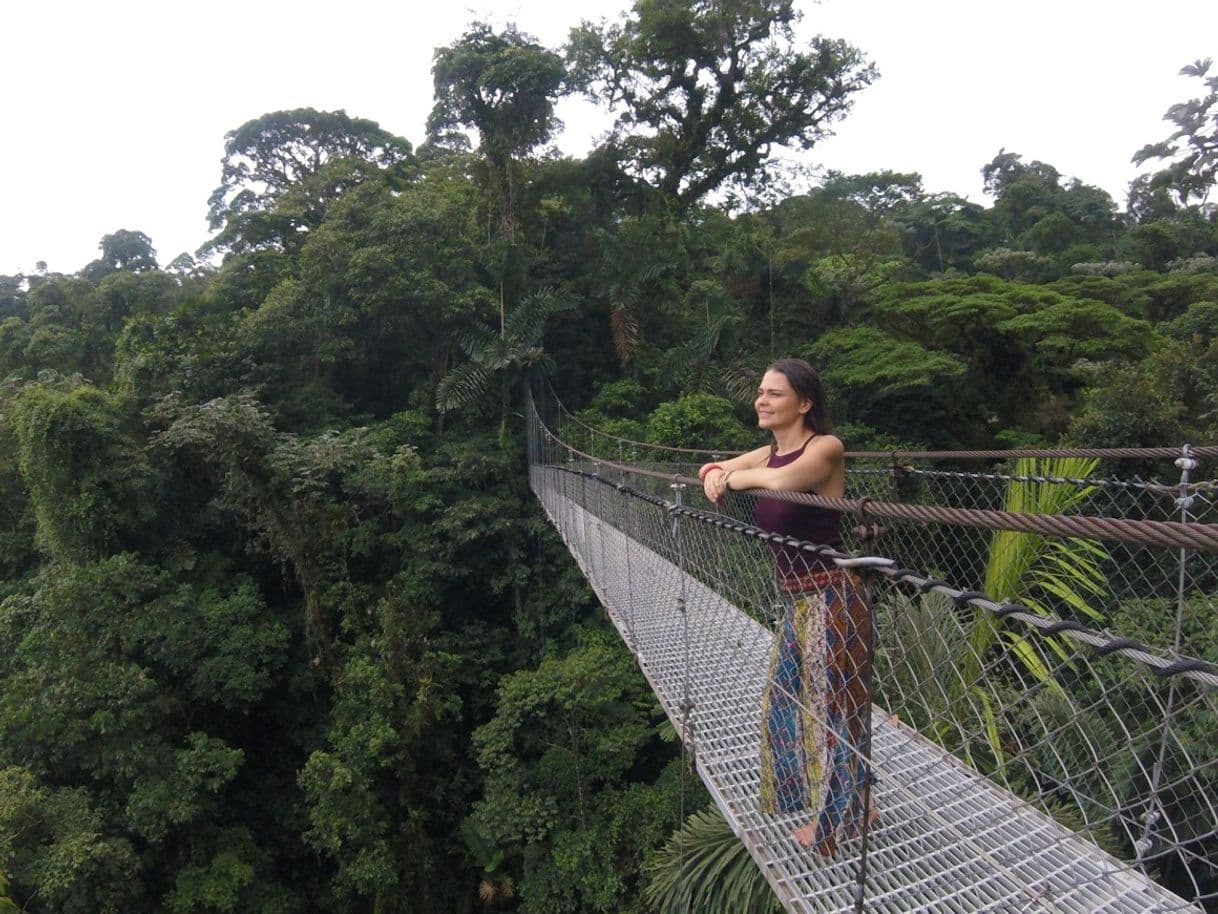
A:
(1029, 751)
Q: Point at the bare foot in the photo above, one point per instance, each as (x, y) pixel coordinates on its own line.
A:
(806, 836)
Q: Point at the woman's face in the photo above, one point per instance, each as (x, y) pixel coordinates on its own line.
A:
(777, 404)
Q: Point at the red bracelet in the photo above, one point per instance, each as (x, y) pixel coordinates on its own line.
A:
(705, 471)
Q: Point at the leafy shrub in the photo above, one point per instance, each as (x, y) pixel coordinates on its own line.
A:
(699, 421)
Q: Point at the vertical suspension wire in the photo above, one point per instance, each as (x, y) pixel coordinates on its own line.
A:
(686, 705)
(860, 885)
(867, 534)
(1154, 812)
(575, 500)
(599, 526)
(628, 528)
(569, 481)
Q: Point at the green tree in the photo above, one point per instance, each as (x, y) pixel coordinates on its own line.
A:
(849, 238)
(7, 905)
(1166, 398)
(1036, 212)
(87, 477)
(704, 91)
(12, 296)
(556, 758)
(1020, 344)
(503, 86)
(1156, 244)
(1199, 323)
(1150, 198)
(885, 381)
(368, 808)
(643, 261)
(1069, 329)
(511, 354)
(374, 300)
(266, 157)
(942, 231)
(284, 488)
(123, 250)
(55, 847)
(1169, 296)
(1050, 575)
(144, 686)
(699, 420)
(1194, 166)
(57, 333)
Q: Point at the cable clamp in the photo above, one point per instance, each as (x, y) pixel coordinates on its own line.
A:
(1186, 463)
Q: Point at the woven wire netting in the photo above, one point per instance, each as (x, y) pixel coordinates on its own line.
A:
(1017, 766)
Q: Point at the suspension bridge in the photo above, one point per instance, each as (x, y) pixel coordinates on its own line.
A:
(1025, 758)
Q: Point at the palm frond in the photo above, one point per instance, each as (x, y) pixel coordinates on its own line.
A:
(624, 325)
(704, 867)
(479, 845)
(462, 386)
(928, 638)
(475, 341)
(652, 271)
(527, 321)
(740, 379)
(1031, 568)
(708, 339)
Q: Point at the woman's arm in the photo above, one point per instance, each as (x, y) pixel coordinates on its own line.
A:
(709, 472)
(817, 468)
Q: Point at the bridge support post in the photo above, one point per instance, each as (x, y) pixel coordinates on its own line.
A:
(867, 534)
(687, 705)
(1154, 807)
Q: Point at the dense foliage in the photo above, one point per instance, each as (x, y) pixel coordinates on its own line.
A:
(283, 629)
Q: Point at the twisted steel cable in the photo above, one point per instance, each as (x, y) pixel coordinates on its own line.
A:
(1136, 532)
(1099, 642)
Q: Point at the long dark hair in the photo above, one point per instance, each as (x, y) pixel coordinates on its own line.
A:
(807, 385)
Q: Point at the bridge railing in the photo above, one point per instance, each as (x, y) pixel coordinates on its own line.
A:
(1071, 668)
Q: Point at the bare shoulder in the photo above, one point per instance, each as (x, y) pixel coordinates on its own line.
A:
(820, 465)
(828, 447)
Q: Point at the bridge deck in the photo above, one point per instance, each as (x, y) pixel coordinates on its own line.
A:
(947, 840)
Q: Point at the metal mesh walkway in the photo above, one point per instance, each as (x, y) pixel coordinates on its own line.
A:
(947, 839)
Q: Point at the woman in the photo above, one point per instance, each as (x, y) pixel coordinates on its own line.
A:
(814, 735)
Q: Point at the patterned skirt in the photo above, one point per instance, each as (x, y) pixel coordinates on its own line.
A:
(814, 735)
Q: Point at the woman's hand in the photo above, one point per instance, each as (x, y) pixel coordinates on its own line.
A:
(714, 475)
(715, 485)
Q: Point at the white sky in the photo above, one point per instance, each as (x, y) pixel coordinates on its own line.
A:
(115, 113)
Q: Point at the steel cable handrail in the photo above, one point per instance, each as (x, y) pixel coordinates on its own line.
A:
(1124, 530)
(1101, 643)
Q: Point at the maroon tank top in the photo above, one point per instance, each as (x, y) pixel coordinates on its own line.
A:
(804, 522)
